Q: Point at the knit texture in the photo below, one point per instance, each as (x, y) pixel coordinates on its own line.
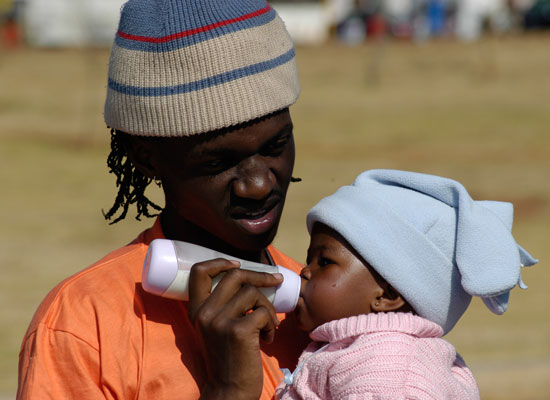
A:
(429, 239)
(179, 68)
(381, 356)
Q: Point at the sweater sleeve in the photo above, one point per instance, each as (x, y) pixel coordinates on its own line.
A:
(465, 378)
(57, 365)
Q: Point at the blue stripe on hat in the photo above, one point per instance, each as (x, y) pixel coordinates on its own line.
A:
(189, 33)
(206, 82)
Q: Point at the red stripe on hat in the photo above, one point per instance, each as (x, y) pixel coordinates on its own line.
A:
(194, 31)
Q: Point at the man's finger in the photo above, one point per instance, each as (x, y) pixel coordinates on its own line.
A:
(233, 281)
(247, 300)
(200, 281)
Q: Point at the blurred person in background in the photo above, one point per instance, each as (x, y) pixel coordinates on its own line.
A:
(10, 31)
(6, 9)
(519, 9)
(473, 16)
(399, 14)
(537, 17)
(198, 101)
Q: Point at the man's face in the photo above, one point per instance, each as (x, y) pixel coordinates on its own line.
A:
(231, 187)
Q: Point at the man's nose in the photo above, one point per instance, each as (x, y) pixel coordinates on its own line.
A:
(255, 179)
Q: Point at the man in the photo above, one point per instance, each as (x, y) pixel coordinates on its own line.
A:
(197, 100)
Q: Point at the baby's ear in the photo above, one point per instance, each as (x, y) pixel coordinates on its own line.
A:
(390, 300)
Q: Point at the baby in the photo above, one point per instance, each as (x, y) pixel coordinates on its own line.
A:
(393, 263)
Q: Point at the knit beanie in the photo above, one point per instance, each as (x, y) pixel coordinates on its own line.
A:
(427, 238)
(183, 67)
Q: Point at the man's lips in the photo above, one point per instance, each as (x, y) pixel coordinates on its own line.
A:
(260, 221)
(253, 209)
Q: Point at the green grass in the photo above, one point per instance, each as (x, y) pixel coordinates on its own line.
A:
(476, 112)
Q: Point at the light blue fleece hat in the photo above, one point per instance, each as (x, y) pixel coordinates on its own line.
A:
(426, 237)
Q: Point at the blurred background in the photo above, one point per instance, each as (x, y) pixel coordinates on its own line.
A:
(455, 88)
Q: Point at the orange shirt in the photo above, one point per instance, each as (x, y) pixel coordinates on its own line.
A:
(99, 335)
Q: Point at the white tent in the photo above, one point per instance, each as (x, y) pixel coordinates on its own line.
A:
(56, 23)
(307, 21)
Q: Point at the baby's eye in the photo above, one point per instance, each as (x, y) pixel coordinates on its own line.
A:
(324, 261)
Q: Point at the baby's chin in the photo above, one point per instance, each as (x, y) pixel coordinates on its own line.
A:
(299, 316)
(303, 321)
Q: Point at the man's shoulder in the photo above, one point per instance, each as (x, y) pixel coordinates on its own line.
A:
(117, 268)
(104, 287)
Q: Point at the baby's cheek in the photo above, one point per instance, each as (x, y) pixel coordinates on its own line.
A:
(320, 302)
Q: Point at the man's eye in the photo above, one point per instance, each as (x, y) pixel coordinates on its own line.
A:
(276, 147)
(213, 166)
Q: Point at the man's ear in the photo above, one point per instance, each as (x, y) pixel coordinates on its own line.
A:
(141, 153)
(389, 300)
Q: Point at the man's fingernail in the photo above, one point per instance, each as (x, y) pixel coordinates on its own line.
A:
(279, 276)
(235, 262)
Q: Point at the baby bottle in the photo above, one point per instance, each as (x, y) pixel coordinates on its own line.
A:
(168, 264)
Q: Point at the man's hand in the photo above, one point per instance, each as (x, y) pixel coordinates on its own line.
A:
(231, 321)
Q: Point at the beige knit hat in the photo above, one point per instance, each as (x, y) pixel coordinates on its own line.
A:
(180, 68)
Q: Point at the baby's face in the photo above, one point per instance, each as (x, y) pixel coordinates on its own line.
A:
(335, 283)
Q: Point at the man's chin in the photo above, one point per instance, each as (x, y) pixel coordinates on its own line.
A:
(256, 243)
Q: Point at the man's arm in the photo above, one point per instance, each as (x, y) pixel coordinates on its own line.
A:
(58, 365)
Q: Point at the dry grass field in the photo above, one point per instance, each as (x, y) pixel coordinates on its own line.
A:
(478, 113)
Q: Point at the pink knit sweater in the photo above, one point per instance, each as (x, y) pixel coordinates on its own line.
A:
(380, 356)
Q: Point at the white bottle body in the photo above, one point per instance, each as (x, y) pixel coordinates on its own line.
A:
(168, 264)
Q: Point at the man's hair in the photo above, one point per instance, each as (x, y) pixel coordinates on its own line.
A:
(130, 181)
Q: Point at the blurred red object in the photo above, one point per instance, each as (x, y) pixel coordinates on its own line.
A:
(376, 26)
(11, 33)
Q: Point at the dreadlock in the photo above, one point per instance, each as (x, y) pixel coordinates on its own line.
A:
(130, 181)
